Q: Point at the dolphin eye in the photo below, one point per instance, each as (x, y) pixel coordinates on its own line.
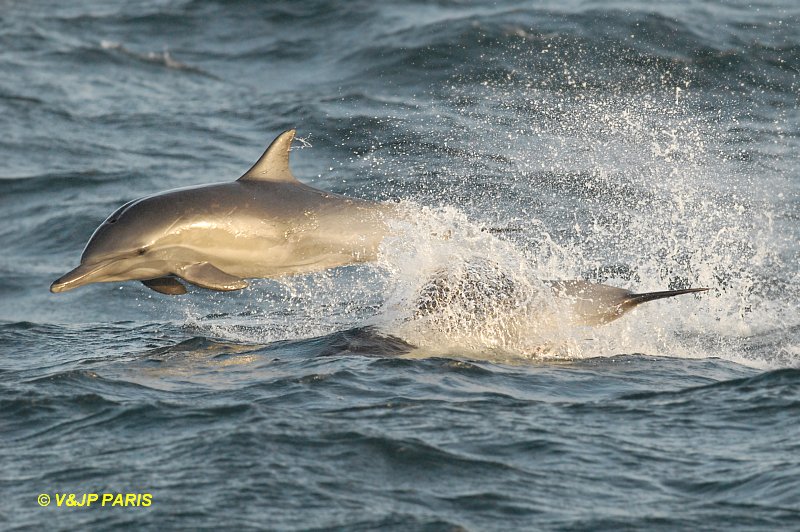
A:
(112, 221)
(141, 251)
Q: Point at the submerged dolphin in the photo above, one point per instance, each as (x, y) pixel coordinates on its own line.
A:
(482, 286)
(265, 224)
(269, 224)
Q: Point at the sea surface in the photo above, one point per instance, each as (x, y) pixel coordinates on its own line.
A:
(646, 145)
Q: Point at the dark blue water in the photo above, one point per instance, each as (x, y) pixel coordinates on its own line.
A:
(646, 146)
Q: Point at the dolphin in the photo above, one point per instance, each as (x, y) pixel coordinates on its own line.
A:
(268, 224)
(265, 224)
(482, 286)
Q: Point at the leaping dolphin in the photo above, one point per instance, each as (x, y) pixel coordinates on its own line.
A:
(265, 224)
(269, 224)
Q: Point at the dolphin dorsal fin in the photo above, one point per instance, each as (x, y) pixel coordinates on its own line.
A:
(274, 164)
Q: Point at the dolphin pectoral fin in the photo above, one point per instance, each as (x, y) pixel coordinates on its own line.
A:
(206, 275)
(166, 285)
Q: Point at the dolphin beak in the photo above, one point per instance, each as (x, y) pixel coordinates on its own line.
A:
(80, 276)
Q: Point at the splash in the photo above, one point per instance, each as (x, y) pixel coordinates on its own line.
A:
(434, 250)
(482, 318)
(456, 288)
(644, 187)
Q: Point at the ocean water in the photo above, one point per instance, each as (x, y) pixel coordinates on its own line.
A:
(644, 145)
